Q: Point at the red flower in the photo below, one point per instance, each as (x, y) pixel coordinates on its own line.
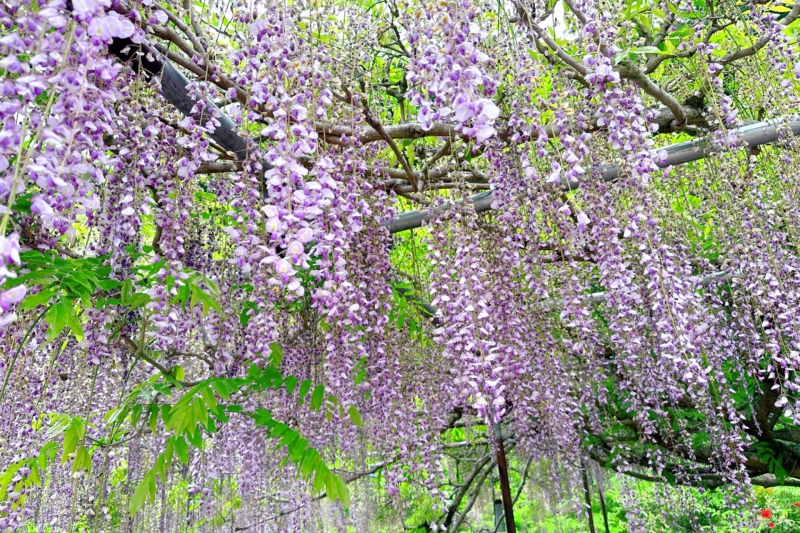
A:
(766, 513)
(797, 504)
(771, 525)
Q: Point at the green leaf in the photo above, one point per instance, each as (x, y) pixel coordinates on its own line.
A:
(160, 469)
(7, 476)
(168, 457)
(178, 372)
(36, 274)
(646, 50)
(141, 492)
(244, 316)
(153, 422)
(200, 412)
(210, 399)
(331, 486)
(113, 415)
(291, 383)
(23, 203)
(83, 461)
(208, 302)
(289, 438)
(297, 450)
(355, 416)
(279, 429)
(136, 414)
(35, 300)
(305, 386)
(360, 376)
(268, 378)
(136, 300)
(196, 438)
(57, 317)
(342, 491)
(276, 354)
(181, 450)
(79, 279)
(262, 417)
(48, 451)
(780, 472)
(316, 397)
(320, 478)
(71, 438)
(34, 475)
(108, 284)
(108, 301)
(310, 461)
(60, 425)
(221, 387)
(171, 415)
(73, 321)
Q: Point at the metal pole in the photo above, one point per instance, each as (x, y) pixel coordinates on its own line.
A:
(505, 488)
(749, 136)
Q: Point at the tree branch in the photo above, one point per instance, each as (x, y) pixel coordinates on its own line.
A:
(452, 508)
(473, 496)
(198, 30)
(762, 41)
(373, 121)
(628, 70)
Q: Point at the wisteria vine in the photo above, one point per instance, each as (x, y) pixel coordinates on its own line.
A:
(205, 322)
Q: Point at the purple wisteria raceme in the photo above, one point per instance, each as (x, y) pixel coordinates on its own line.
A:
(645, 326)
(450, 80)
(9, 256)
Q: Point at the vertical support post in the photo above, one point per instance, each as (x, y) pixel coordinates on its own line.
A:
(603, 506)
(505, 488)
(588, 497)
(499, 516)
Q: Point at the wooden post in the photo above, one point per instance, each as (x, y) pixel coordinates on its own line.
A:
(505, 488)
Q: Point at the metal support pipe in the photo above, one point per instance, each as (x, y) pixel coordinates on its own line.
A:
(146, 60)
(143, 58)
(749, 136)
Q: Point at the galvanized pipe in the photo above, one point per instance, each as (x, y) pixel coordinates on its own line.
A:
(749, 136)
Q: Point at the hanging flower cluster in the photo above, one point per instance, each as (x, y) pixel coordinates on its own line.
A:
(203, 257)
(449, 74)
